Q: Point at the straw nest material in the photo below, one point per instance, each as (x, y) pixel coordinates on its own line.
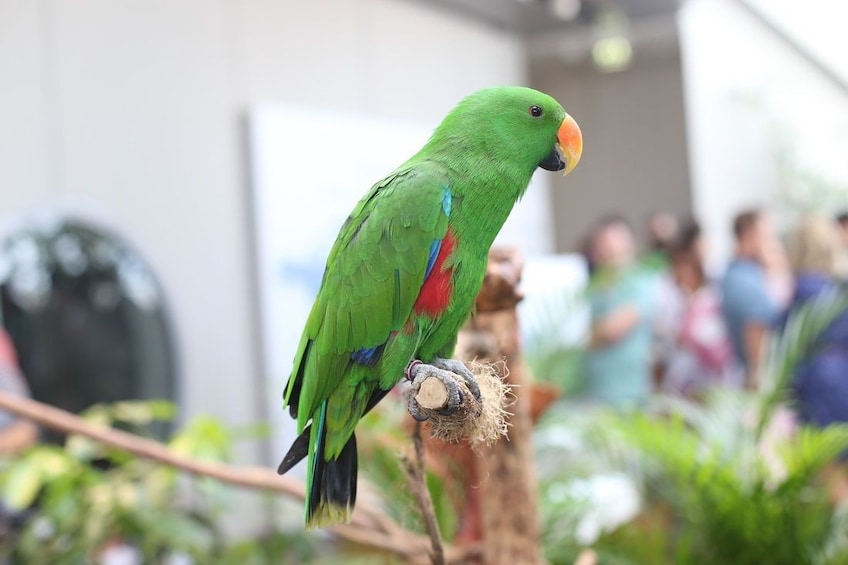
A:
(479, 422)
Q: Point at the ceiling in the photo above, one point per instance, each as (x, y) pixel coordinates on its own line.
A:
(530, 17)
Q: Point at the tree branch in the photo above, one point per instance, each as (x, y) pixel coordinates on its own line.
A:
(370, 527)
(433, 394)
(417, 476)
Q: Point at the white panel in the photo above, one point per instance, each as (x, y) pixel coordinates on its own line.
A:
(530, 226)
(299, 211)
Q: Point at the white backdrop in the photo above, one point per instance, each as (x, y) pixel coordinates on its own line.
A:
(309, 168)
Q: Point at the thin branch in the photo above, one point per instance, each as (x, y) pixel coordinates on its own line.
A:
(370, 527)
(417, 475)
(51, 417)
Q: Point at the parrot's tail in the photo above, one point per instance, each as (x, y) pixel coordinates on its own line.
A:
(331, 485)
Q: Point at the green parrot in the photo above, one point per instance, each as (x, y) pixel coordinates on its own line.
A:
(403, 273)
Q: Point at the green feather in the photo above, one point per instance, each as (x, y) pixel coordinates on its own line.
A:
(315, 451)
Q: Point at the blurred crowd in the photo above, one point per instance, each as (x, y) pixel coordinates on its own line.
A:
(662, 323)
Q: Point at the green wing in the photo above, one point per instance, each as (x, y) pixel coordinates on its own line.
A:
(373, 276)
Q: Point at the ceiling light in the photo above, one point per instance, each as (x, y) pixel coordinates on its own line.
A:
(566, 10)
(612, 54)
(612, 50)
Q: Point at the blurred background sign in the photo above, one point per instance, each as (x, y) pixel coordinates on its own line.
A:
(309, 168)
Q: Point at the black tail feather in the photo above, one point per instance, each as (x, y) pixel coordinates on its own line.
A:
(298, 450)
(333, 492)
(339, 480)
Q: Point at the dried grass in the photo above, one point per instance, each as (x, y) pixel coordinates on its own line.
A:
(478, 424)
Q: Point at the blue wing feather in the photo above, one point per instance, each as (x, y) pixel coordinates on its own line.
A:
(368, 356)
(435, 247)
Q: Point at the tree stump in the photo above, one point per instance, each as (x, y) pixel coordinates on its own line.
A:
(506, 493)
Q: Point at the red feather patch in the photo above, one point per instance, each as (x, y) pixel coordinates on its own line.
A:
(437, 288)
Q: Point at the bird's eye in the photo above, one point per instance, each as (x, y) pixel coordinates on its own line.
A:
(536, 111)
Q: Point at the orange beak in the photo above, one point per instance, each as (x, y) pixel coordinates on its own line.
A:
(570, 142)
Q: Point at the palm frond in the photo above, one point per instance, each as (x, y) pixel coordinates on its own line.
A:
(797, 341)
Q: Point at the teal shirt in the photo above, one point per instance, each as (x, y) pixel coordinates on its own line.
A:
(619, 374)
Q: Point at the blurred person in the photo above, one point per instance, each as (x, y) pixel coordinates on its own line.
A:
(820, 382)
(622, 301)
(748, 305)
(778, 273)
(697, 352)
(663, 230)
(16, 434)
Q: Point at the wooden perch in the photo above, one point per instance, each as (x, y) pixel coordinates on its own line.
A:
(508, 510)
(460, 402)
(369, 527)
(416, 475)
(433, 394)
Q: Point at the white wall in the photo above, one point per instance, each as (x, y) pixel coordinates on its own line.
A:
(134, 111)
(743, 92)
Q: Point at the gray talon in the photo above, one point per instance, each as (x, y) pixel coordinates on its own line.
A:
(417, 372)
(415, 410)
(454, 395)
(414, 376)
(459, 368)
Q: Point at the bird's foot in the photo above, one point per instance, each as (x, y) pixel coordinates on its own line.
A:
(459, 368)
(448, 372)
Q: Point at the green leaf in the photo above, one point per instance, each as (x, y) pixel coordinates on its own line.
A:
(179, 531)
(259, 430)
(143, 412)
(23, 481)
(51, 462)
(204, 438)
(82, 448)
(99, 415)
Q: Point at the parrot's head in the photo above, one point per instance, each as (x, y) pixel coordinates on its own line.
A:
(519, 125)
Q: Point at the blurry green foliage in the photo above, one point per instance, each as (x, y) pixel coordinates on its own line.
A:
(718, 485)
(67, 504)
